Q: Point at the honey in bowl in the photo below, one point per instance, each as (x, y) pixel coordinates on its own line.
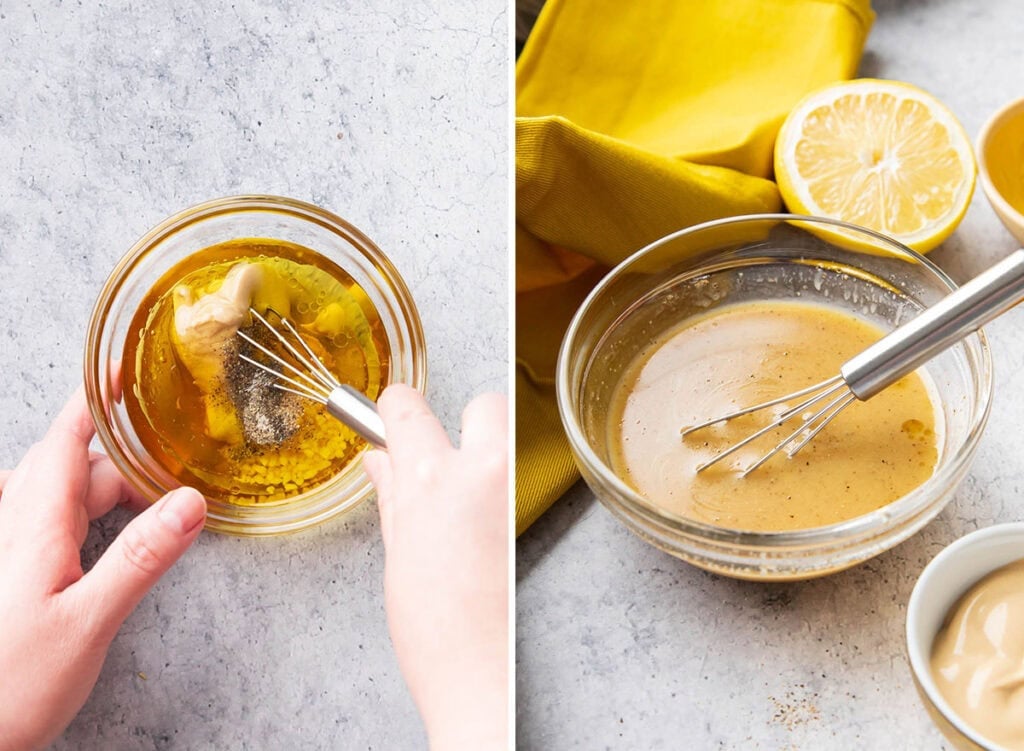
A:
(742, 354)
(214, 421)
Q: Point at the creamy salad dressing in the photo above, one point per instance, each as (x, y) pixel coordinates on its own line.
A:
(739, 355)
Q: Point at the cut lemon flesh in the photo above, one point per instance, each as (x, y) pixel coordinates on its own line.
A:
(880, 154)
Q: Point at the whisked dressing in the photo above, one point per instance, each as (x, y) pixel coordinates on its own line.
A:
(872, 454)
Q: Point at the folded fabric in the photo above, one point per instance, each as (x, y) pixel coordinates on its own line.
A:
(634, 120)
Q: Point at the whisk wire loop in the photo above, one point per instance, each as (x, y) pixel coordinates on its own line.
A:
(300, 389)
(316, 386)
(317, 382)
(900, 352)
(314, 363)
(840, 404)
(822, 417)
(308, 395)
(764, 405)
(831, 386)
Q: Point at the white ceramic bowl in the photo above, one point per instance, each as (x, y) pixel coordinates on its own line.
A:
(950, 574)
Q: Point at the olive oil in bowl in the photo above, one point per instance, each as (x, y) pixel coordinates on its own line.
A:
(213, 421)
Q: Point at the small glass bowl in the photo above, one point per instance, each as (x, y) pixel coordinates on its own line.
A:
(948, 577)
(200, 227)
(766, 257)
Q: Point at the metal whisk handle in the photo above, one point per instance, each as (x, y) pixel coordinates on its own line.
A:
(358, 412)
(963, 311)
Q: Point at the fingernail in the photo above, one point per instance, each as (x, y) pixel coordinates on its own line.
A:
(183, 510)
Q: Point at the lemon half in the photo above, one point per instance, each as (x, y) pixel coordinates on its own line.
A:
(880, 154)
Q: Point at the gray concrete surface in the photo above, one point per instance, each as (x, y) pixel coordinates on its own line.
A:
(114, 115)
(620, 646)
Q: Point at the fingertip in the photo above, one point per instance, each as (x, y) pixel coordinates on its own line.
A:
(413, 429)
(75, 418)
(182, 511)
(107, 488)
(398, 394)
(134, 500)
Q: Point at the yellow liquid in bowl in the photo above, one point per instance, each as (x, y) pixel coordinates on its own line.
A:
(214, 422)
(743, 354)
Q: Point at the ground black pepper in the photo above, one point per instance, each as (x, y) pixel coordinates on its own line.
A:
(268, 415)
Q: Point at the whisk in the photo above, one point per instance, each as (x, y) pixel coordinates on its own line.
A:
(314, 381)
(988, 295)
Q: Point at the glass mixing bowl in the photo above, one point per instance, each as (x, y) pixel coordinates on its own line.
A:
(195, 229)
(768, 257)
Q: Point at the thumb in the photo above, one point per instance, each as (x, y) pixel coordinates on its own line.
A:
(139, 556)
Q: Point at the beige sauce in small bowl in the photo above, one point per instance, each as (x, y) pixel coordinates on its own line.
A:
(977, 658)
(746, 353)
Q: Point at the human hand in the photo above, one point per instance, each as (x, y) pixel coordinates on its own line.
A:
(444, 519)
(56, 623)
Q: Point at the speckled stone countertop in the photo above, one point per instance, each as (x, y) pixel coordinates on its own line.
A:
(115, 115)
(621, 646)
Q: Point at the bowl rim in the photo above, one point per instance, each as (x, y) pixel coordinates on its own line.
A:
(999, 118)
(278, 522)
(903, 507)
(916, 651)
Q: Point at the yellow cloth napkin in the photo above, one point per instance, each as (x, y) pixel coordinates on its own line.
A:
(635, 119)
